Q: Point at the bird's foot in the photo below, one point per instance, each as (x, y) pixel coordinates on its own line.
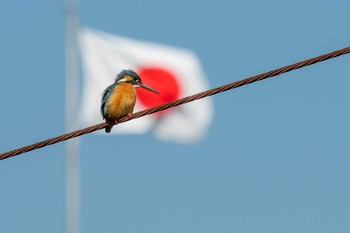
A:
(129, 115)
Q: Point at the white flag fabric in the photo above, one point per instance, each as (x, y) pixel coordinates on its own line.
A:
(174, 72)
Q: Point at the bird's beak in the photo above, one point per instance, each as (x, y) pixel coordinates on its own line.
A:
(147, 87)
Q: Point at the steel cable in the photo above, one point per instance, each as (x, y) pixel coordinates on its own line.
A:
(178, 102)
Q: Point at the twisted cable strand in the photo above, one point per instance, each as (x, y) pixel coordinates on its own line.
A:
(178, 102)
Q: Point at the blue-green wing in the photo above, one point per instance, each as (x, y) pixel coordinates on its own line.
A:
(105, 97)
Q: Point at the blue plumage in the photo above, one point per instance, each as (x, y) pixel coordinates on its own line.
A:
(105, 97)
(130, 73)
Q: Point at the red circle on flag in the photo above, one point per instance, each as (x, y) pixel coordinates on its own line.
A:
(162, 80)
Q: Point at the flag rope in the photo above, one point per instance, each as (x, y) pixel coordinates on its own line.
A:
(178, 102)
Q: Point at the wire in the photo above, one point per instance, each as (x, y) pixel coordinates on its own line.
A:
(178, 102)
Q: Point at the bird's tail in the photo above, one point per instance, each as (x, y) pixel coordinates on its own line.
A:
(109, 128)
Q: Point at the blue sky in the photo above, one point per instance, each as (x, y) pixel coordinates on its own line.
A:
(276, 156)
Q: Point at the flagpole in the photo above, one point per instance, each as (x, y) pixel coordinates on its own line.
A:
(72, 161)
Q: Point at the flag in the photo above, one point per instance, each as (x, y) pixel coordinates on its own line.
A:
(174, 72)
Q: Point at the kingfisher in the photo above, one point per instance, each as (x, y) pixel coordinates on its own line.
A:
(119, 98)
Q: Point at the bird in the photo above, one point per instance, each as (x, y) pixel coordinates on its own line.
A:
(118, 99)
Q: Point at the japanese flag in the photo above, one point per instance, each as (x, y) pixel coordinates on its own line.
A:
(174, 72)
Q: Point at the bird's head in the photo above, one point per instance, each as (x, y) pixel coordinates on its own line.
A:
(130, 76)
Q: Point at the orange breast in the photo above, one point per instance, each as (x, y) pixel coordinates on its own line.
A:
(122, 101)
